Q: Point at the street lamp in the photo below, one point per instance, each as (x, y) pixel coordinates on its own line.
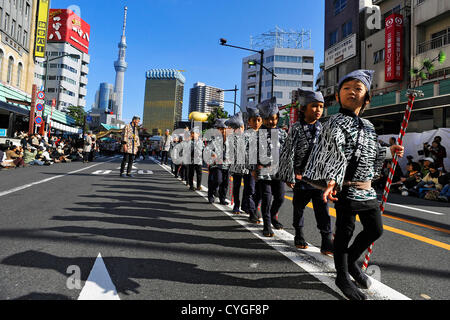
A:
(223, 42)
(235, 92)
(253, 62)
(216, 103)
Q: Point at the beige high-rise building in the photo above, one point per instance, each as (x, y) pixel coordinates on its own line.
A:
(163, 102)
(17, 25)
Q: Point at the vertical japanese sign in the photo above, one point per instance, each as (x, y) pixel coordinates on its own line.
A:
(293, 115)
(394, 48)
(41, 28)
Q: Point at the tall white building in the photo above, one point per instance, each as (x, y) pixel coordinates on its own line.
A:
(201, 94)
(66, 76)
(294, 68)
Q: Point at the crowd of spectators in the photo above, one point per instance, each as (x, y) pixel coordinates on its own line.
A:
(426, 179)
(39, 150)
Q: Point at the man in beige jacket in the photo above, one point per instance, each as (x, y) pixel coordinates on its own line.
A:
(130, 145)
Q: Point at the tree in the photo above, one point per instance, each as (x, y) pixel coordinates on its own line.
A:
(77, 113)
(427, 68)
(217, 113)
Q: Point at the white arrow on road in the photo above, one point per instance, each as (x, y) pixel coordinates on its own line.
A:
(99, 285)
(145, 172)
(118, 168)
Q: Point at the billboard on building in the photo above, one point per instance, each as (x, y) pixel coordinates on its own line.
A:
(394, 48)
(340, 52)
(66, 26)
(41, 29)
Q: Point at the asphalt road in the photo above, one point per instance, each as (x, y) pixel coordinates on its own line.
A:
(160, 241)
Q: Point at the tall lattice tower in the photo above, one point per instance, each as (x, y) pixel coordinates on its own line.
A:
(280, 38)
(121, 66)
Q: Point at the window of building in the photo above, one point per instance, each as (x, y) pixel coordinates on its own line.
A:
(288, 83)
(346, 29)
(6, 25)
(308, 60)
(25, 37)
(1, 62)
(10, 70)
(288, 71)
(378, 56)
(251, 99)
(308, 72)
(19, 74)
(27, 11)
(269, 59)
(333, 37)
(13, 28)
(339, 5)
(1, 17)
(288, 59)
(21, 6)
(19, 32)
(250, 88)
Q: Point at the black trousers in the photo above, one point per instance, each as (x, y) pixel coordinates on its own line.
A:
(85, 156)
(268, 190)
(248, 198)
(164, 155)
(302, 196)
(237, 181)
(218, 178)
(197, 169)
(127, 160)
(370, 216)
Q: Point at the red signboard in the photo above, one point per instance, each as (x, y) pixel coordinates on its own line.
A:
(293, 116)
(394, 48)
(65, 26)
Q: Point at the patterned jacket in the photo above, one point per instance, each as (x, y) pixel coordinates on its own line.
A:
(240, 151)
(331, 155)
(297, 148)
(130, 135)
(269, 154)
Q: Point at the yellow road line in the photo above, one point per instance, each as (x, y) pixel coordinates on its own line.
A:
(395, 230)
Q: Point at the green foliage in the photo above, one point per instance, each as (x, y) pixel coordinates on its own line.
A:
(218, 113)
(77, 113)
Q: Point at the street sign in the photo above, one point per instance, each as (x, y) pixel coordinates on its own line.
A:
(39, 107)
(3, 132)
(38, 120)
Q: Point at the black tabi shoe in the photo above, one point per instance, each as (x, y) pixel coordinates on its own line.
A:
(360, 277)
(348, 288)
(326, 248)
(300, 242)
(224, 202)
(276, 224)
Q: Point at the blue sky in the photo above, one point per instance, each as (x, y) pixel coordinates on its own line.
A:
(184, 35)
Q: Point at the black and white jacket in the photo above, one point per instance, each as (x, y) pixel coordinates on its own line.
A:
(299, 143)
(331, 155)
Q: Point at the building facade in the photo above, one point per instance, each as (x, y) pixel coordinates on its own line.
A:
(391, 37)
(102, 110)
(201, 94)
(66, 76)
(163, 101)
(293, 68)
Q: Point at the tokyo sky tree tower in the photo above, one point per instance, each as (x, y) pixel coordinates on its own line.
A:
(121, 66)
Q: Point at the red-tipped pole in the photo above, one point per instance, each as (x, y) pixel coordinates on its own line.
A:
(412, 94)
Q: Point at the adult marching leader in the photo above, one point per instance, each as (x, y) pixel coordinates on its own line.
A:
(343, 163)
(303, 135)
(130, 145)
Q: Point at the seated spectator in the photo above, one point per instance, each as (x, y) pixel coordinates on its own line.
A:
(396, 180)
(438, 153)
(413, 175)
(444, 180)
(45, 157)
(425, 166)
(29, 157)
(4, 163)
(428, 183)
(14, 153)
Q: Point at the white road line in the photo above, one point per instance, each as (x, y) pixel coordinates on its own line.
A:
(4, 193)
(99, 285)
(416, 209)
(310, 260)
